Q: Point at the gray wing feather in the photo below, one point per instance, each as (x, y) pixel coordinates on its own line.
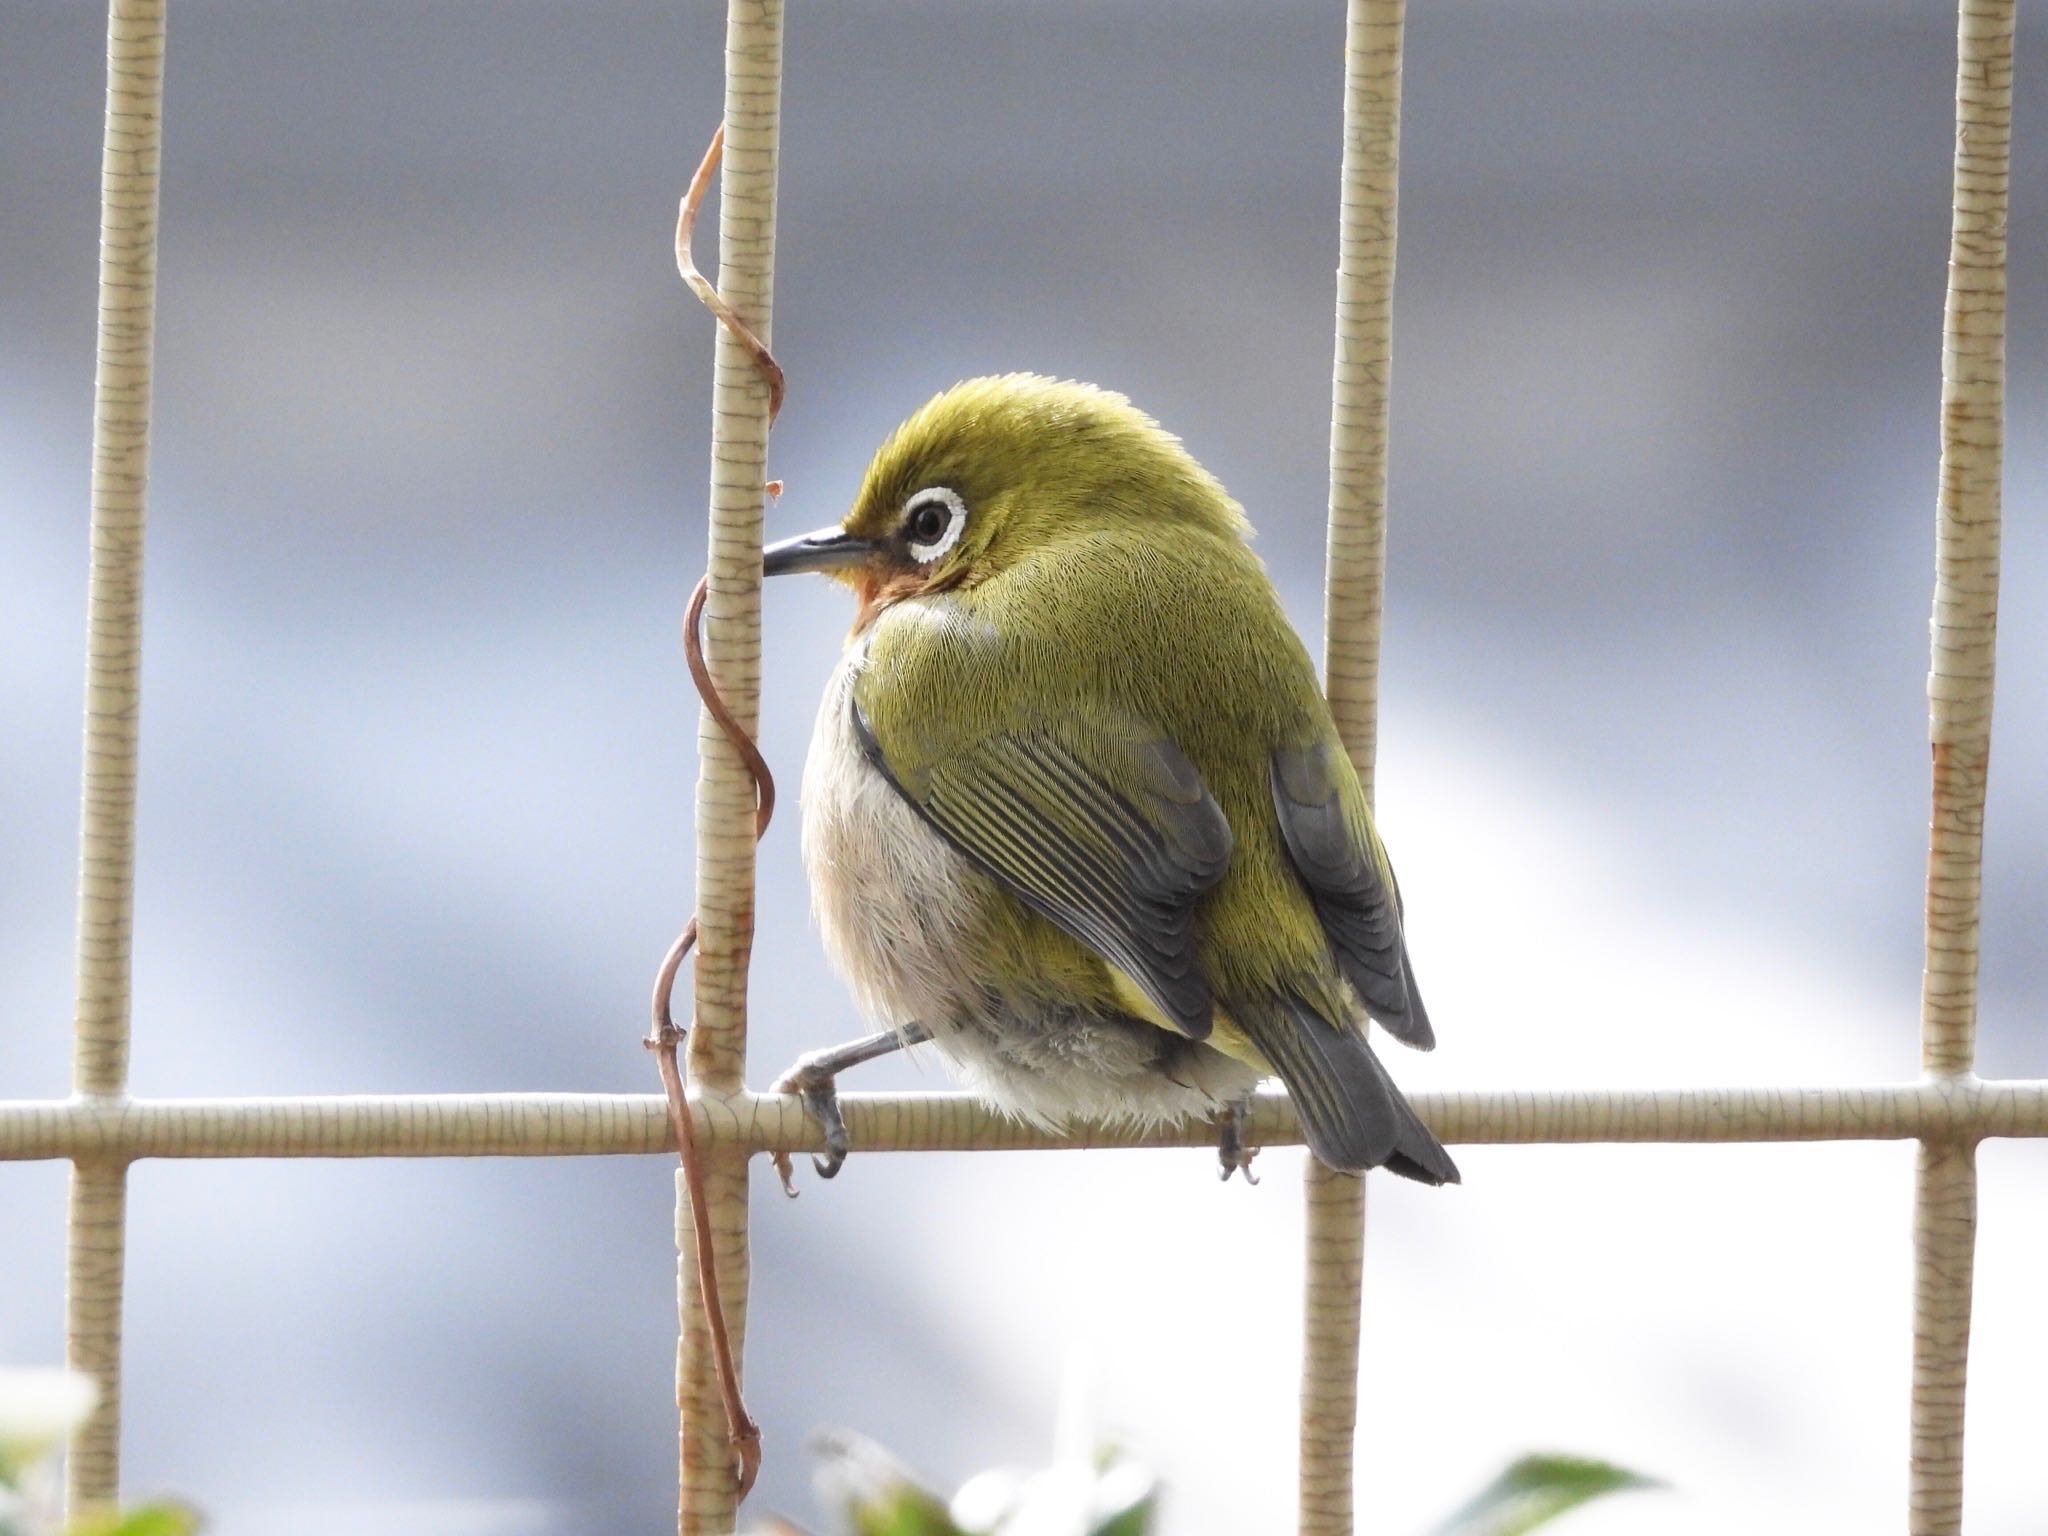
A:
(1121, 875)
(1355, 902)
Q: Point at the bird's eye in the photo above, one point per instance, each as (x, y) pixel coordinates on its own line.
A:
(928, 523)
(932, 520)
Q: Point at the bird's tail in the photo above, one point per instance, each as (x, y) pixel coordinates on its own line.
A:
(1351, 1112)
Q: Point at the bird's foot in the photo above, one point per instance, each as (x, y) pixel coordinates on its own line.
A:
(1231, 1151)
(815, 1079)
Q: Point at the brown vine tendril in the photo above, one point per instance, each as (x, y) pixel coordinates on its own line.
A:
(666, 1035)
(686, 226)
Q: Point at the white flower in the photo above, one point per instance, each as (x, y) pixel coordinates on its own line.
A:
(38, 1411)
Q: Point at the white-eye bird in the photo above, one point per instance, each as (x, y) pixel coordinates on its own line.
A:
(1075, 808)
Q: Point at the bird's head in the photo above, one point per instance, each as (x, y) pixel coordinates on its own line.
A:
(997, 470)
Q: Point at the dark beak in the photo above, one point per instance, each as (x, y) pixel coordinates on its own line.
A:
(829, 549)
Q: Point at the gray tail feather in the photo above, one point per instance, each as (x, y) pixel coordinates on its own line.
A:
(1351, 1112)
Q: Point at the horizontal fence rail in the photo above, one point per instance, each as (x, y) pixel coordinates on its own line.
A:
(623, 1124)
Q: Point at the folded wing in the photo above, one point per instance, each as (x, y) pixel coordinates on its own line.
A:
(1114, 842)
(1340, 861)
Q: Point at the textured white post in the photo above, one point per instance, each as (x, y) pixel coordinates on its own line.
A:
(113, 692)
(1356, 575)
(1959, 688)
(1329, 1364)
(725, 790)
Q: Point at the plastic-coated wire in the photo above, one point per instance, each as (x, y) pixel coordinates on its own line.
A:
(637, 1124)
(1959, 689)
(665, 1036)
(1354, 594)
(663, 1039)
(97, 1229)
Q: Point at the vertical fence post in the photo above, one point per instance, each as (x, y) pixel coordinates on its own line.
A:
(1329, 1365)
(1959, 688)
(725, 793)
(113, 693)
(1354, 582)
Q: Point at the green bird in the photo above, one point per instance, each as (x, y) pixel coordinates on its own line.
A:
(1075, 809)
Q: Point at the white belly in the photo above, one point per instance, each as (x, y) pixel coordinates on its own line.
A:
(891, 896)
(897, 905)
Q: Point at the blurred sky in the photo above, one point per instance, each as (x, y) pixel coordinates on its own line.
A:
(428, 494)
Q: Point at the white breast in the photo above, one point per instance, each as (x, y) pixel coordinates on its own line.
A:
(891, 897)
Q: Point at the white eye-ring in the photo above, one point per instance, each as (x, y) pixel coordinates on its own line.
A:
(932, 520)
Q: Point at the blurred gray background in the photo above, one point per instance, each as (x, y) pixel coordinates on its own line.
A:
(428, 493)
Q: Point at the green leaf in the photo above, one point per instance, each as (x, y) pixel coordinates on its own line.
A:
(870, 1491)
(1135, 1521)
(143, 1520)
(1126, 1494)
(1537, 1490)
(902, 1511)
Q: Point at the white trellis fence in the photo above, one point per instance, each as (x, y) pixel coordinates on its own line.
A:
(1947, 1110)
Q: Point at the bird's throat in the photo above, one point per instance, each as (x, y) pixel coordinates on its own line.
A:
(884, 589)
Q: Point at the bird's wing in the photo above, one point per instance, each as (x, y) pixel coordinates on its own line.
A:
(1330, 838)
(1110, 834)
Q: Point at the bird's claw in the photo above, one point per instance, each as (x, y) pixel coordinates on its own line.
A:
(1231, 1151)
(814, 1079)
(817, 1085)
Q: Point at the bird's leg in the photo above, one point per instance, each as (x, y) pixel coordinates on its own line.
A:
(814, 1079)
(1231, 1151)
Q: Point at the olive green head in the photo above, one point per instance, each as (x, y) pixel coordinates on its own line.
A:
(996, 470)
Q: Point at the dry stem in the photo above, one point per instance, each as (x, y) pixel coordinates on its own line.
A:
(686, 225)
(666, 1035)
